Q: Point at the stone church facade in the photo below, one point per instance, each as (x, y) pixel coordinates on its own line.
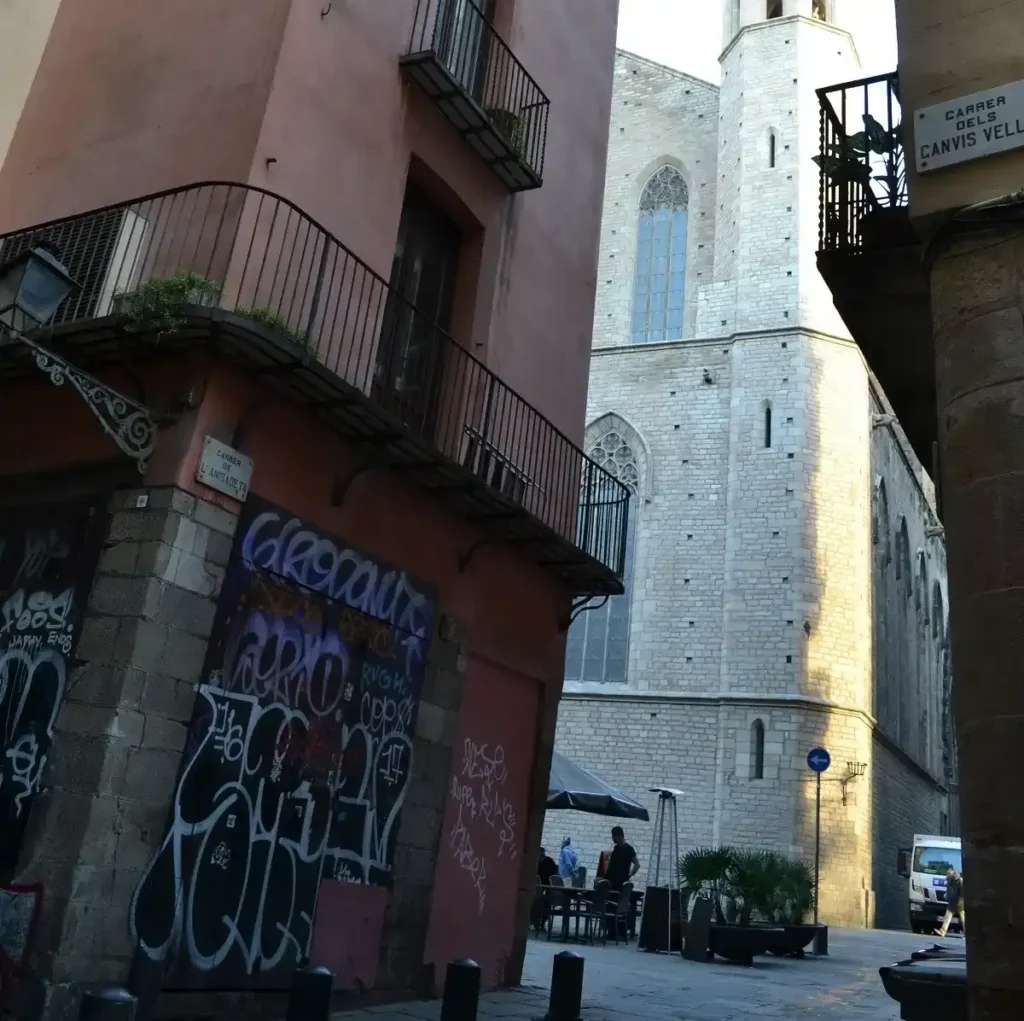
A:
(786, 576)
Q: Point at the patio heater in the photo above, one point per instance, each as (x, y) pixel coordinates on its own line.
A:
(662, 909)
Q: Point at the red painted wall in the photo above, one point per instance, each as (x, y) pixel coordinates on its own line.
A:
(347, 932)
(482, 838)
(132, 98)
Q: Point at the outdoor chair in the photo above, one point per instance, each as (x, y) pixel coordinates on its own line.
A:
(617, 913)
(538, 909)
(597, 908)
(559, 906)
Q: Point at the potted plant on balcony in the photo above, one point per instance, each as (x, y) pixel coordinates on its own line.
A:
(855, 160)
(157, 304)
(511, 127)
(277, 324)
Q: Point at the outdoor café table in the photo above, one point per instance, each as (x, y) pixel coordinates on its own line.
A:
(576, 899)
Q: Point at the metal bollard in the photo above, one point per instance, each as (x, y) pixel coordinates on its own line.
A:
(461, 991)
(821, 941)
(309, 998)
(566, 987)
(111, 1003)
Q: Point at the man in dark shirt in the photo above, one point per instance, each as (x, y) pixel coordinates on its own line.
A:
(546, 868)
(954, 902)
(622, 865)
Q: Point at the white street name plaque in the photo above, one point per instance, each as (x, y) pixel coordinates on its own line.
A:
(965, 129)
(225, 469)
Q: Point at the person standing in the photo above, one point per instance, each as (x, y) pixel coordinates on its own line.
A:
(954, 902)
(568, 863)
(546, 868)
(622, 865)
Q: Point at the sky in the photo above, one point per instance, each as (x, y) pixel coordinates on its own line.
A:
(687, 34)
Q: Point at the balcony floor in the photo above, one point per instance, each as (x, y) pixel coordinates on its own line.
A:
(96, 344)
(470, 120)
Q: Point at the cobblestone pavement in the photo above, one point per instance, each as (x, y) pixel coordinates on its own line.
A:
(622, 984)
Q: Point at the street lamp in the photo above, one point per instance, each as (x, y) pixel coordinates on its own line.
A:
(32, 287)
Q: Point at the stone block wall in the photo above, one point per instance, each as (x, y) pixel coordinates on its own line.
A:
(120, 733)
(835, 601)
(635, 744)
(904, 800)
(759, 590)
(659, 116)
(912, 685)
(675, 642)
(702, 747)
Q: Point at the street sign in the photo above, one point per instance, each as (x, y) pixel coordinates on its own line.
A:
(225, 469)
(819, 760)
(968, 128)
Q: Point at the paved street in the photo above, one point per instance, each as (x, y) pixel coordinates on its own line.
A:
(622, 984)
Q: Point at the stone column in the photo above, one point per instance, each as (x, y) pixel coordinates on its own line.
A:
(977, 285)
(119, 734)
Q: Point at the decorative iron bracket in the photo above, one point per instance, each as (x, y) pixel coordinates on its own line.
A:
(578, 607)
(126, 422)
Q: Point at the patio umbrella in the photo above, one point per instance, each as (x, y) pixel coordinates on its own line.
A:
(572, 786)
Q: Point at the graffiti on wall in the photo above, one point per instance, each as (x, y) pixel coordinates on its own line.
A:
(481, 861)
(485, 817)
(297, 757)
(47, 559)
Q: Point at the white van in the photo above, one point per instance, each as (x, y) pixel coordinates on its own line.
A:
(925, 866)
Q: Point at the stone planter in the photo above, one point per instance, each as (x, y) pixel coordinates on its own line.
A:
(742, 943)
(929, 990)
(792, 942)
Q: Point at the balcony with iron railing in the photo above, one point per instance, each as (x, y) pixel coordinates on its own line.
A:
(459, 60)
(248, 275)
(869, 253)
(863, 190)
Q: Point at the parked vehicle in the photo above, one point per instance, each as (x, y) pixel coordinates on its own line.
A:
(925, 865)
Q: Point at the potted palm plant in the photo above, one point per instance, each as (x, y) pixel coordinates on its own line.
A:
(752, 879)
(703, 872)
(790, 906)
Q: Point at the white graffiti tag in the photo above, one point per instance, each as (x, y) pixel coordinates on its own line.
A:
(36, 677)
(286, 547)
(483, 811)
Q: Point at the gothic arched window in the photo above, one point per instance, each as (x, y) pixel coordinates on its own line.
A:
(774, 9)
(757, 750)
(660, 259)
(880, 526)
(819, 10)
(903, 564)
(597, 647)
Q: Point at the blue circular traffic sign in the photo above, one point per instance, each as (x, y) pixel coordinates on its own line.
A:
(819, 760)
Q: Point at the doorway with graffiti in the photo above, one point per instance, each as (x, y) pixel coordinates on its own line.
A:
(48, 557)
(296, 761)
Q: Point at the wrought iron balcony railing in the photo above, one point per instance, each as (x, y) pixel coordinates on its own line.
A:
(249, 273)
(862, 162)
(458, 59)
